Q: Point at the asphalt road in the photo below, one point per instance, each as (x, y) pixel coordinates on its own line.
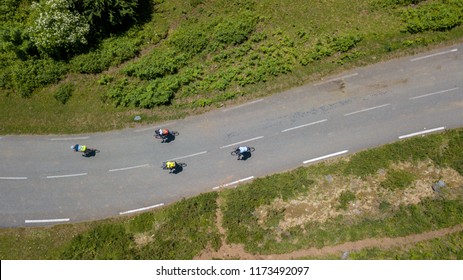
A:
(42, 182)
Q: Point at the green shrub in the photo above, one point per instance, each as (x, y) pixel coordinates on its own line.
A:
(344, 199)
(32, 74)
(157, 64)
(64, 92)
(434, 16)
(202, 102)
(190, 40)
(235, 30)
(398, 179)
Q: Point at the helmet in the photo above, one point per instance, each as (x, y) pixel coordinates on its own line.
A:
(73, 147)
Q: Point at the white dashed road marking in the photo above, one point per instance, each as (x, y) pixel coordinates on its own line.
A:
(433, 93)
(47, 221)
(141, 209)
(304, 125)
(192, 155)
(66, 176)
(70, 138)
(368, 109)
(234, 182)
(241, 142)
(128, 168)
(13, 178)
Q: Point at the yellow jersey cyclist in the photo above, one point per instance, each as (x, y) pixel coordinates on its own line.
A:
(170, 165)
(79, 148)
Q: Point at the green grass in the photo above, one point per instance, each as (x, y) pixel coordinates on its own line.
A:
(225, 52)
(449, 247)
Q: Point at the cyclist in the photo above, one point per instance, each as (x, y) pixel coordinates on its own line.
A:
(164, 133)
(240, 150)
(79, 148)
(170, 165)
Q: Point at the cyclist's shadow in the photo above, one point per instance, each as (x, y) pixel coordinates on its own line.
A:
(245, 156)
(169, 138)
(178, 168)
(89, 153)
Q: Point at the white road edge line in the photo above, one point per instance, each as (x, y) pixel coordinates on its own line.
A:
(368, 109)
(69, 138)
(434, 93)
(141, 209)
(434, 54)
(241, 142)
(13, 178)
(422, 132)
(327, 156)
(239, 106)
(47, 221)
(192, 155)
(304, 125)
(65, 176)
(336, 79)
(234, 182)
(154, 127)
(128, 168)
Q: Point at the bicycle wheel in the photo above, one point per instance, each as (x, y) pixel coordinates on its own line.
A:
(157, 136)
(175, 133)
(234, 153)
(182, 164)
(251, 149)
(96, 150)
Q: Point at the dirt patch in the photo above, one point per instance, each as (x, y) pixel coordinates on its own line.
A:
(320, 204)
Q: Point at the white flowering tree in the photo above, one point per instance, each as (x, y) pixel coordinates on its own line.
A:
(55, 29)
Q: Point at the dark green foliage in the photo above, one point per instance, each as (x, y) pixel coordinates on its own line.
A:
(32, 74)
(190, 40)
(64, 92)
(158, 64)
(8, 9)
(104, 242)
(345, 198)
(434, 16)
(328, 46)
(106, 16)
(235, 30)
(113, 51)
(398, 179)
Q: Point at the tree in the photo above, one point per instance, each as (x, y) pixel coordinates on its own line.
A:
(56, 30)
(107, 16)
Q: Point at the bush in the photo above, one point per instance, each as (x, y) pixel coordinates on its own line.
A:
(191, 40)
(112, 52)
(235, 30)
(32, 74)
(398, 179)
(344, 199)
(434, 16)
(64, 92)
(158, 64)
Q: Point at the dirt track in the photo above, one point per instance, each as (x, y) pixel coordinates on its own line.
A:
(235, 251)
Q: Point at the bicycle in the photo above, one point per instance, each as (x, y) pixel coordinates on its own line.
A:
(176, 169)
(166, 138)
(245, 154)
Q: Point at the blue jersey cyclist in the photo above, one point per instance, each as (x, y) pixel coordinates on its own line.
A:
(79, 148)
